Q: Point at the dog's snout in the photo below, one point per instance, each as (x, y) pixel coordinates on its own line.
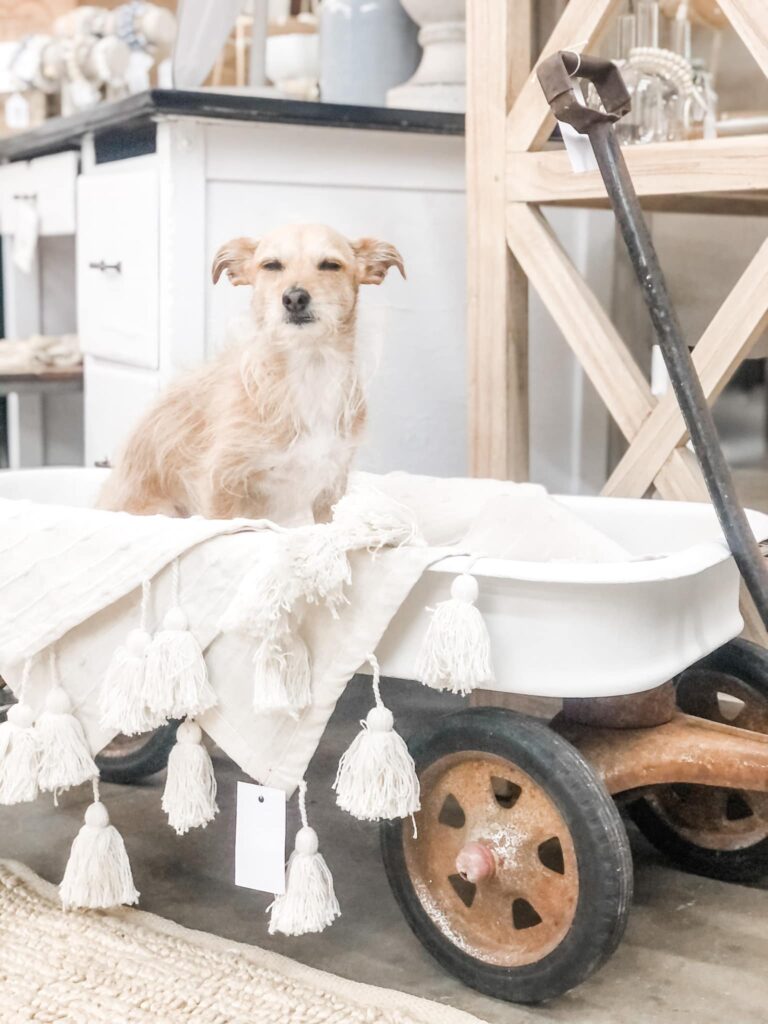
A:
(296, 300)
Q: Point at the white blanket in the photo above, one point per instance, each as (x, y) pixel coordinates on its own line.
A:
(73, 577)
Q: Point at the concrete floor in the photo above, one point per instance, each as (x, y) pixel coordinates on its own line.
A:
(695, 949)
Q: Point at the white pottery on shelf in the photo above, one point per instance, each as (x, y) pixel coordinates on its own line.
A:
(440, 79)
(365, 49)
(293, 63)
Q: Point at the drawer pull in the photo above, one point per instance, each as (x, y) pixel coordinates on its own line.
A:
(101, 265)
(30, 196)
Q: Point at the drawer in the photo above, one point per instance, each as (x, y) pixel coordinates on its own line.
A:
(115, 398)
(50, 182)
(118, 266)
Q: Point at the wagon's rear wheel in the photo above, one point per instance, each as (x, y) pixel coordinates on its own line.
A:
(519, 878)
(708, 830)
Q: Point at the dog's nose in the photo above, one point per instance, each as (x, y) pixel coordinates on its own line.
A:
(296, 300)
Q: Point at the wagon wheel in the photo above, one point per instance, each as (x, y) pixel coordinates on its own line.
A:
(722, 833)
(130, 759)
(519, 877)
(126, 759)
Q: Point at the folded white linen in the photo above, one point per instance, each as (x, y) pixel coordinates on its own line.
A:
(73, 577)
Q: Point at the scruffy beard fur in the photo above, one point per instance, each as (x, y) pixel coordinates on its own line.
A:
(269, 428)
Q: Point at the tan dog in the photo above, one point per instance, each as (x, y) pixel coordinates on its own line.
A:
(268, 429)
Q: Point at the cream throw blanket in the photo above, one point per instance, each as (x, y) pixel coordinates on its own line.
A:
(72, 577)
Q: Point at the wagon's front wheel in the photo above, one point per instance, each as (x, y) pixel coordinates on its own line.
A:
(518, 879)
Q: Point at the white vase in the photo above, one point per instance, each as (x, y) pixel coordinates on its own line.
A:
(440, 79)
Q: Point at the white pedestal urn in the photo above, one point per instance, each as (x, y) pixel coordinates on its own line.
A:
(440, 79)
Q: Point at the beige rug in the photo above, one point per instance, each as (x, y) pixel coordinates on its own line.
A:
(126, 966)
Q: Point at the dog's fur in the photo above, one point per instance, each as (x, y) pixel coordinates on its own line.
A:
(268, 429)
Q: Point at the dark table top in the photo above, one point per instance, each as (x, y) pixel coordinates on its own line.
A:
(137, 113)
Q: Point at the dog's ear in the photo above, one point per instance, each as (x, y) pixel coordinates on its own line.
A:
(234, 257)
(374, 258)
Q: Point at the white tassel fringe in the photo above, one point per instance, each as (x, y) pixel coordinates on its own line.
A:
(309, 903)
(265, 596)
(376, 777)
(282, 677)
(176, 676)
(18, 756)
(371, 519)
(320, 564)
(98, 873)
(65, 757)
(456, 654)
(189, 797)
(122, 700)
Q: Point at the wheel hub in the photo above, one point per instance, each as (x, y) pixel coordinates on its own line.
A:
(493, 863)
(476, 863)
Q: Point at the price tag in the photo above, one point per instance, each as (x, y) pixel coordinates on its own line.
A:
(17, 111)
(260, 838)
(25, 233)
(579, 149)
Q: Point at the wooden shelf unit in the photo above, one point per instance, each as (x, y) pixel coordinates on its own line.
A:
(510, 174)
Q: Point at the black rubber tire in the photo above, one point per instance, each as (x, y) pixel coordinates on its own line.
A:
(148, 759)
(600, 841)
(748, 663)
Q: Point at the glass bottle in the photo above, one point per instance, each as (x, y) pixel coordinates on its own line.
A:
(653, 92)
(628, 128)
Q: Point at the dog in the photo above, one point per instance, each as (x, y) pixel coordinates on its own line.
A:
(269, 428)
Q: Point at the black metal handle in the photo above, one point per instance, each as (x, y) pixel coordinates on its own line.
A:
(101, 265)
(31, 196)
(690, 395)
(556, 75)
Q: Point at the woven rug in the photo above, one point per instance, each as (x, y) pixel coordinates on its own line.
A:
(126, 966)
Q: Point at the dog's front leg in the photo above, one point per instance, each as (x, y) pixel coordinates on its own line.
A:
(322, 506)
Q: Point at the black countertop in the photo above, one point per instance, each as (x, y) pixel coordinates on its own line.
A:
(138, 113)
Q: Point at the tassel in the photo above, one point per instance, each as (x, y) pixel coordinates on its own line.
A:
(65, 757)
(189, 797)
(122, 701)
(282, 677)
(371, 519)
(309, 902)
(456, 654)
(18, 754)
(98, 873)
(320, 564)
(176, 677)
(376, 776)
(266, 594)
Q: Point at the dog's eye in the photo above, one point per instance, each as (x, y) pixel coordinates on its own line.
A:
(272, 265)
(329, 265)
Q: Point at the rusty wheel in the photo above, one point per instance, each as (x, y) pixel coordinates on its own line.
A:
(722, 833)
(518, 879)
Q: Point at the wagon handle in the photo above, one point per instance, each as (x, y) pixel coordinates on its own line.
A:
(557, 74)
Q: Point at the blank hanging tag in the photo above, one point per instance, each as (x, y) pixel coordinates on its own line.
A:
(260, 838)
(26, 228)
(578, 148)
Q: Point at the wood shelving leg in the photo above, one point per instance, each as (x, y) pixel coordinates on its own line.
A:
(498, 38)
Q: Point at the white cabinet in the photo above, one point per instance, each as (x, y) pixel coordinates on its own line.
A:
(49, 184)
(115, 396)
(118, 280)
